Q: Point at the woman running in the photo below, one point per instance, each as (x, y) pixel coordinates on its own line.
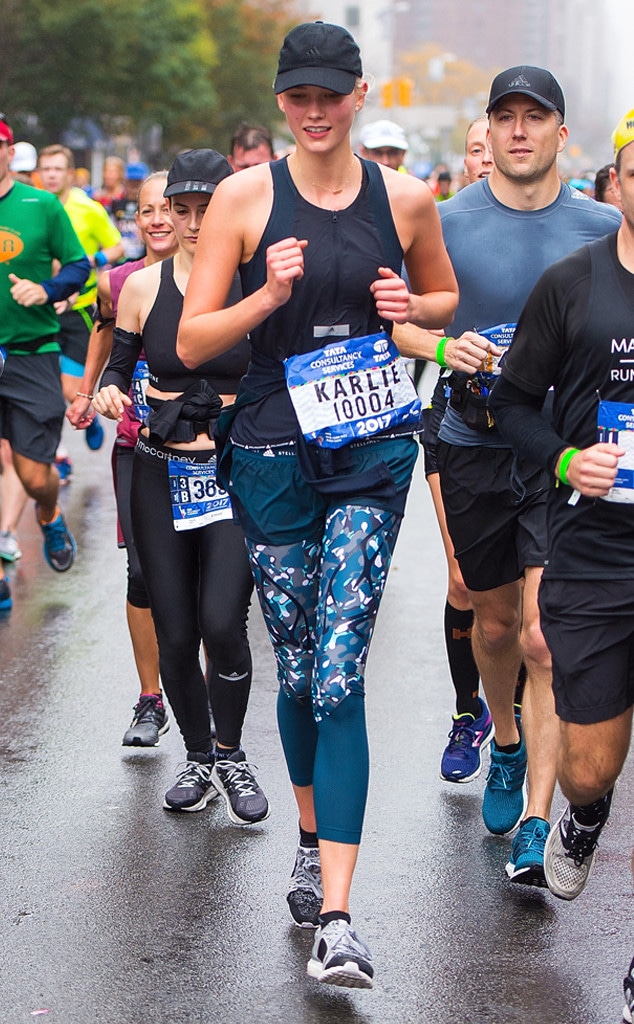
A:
(319, 239)
(192, 554)
(150, 720)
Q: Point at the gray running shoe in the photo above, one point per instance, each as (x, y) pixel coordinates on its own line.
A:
(305, 893)
(569, 855)
(340, 957)
(9, 547)
(235, 780)
(150, 722)
(193, 790)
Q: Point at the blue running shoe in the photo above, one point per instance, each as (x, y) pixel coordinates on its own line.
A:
(59, 544)
(462, 757)
(504, 803)
(94, 435)
(6, 601)
(65, 470)
(526, 864)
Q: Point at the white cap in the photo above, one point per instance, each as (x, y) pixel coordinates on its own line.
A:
(378, 134)
(25, 157)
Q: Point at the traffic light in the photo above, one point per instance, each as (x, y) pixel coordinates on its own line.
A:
(387, 94)
(404, 91)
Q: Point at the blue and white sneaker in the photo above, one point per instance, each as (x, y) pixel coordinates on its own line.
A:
(462, 757)
(505, 797)
(526, 863)
(59, 544)
(340, 957)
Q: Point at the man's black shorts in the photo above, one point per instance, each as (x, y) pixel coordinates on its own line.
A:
(495, 504)
(32, 405)
(589, 629)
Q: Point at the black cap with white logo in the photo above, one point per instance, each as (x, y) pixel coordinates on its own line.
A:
(198, 170)
(535, 82)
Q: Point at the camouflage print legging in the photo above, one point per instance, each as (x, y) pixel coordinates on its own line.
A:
(320, 602)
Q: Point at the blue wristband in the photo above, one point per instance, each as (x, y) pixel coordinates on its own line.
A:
(100, 258)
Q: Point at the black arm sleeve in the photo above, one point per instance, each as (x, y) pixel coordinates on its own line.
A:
(126, 349)
(519, 418)
(71, 278)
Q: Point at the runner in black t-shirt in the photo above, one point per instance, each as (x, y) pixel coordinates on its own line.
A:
(576, 333)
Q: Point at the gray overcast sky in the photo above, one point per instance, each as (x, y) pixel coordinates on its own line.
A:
(621, 27)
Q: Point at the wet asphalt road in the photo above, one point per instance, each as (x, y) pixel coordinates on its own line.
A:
(112, 911)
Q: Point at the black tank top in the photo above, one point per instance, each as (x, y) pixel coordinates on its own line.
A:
(167, 372)
(333, 300)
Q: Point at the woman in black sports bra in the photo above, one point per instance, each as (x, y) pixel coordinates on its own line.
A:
(192, 553)
(319, 239)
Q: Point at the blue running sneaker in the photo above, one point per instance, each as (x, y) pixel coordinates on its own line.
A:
(65, 470)
(59, 544)
(462, 757)
(6, 601)
(94, 435)
(526, 864)
(504, 803)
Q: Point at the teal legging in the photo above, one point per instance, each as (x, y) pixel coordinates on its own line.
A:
(320, 602)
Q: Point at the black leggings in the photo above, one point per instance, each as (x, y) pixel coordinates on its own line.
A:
(200, 585)
(122, 459)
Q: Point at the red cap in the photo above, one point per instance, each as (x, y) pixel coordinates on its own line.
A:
(6, 135)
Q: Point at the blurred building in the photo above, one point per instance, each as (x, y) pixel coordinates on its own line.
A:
(566, 36)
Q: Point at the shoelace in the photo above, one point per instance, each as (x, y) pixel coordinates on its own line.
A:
(193, 774)
(148, 709)
(307, 872)
(56, 536)
(238, 777)
(346, 942)
(462, 735)
(537, 837)
(501, 776)
(578, 843)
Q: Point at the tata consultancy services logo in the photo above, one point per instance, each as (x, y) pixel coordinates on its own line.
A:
(381, 346)
(11, 245)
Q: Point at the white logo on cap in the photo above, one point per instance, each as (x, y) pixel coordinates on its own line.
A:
(519, 82)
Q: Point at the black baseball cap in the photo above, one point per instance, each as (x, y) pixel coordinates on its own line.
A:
(535, 82)
(197, 170)
(319, 54)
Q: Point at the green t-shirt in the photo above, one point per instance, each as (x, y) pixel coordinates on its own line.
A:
(95, 231)
(34, 230)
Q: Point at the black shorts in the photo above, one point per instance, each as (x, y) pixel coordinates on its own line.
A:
(432, 418)
(589, 629)
(495, 504)
(32, 405)
(75, 326)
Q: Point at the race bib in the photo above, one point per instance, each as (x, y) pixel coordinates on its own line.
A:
(197, 500)
(138, 388)
(615, 425)
(502, 336)
(351, 390)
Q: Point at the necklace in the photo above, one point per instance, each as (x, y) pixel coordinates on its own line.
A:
(325, 188)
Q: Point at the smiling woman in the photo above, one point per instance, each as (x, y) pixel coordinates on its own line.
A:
(181, 520)
(319, 239)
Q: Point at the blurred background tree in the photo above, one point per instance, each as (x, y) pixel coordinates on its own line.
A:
(195, 68)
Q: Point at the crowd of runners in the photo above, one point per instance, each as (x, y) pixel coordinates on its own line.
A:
(244, 320)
